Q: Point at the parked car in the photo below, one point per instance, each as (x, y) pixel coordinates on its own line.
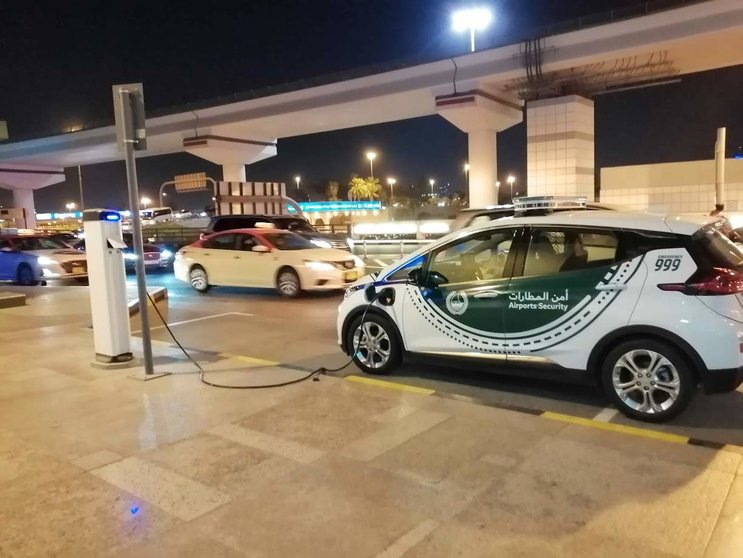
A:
(644, 305)
(155, 257)
(265, 257)
(57, 260)
(291, 223)
(19, 267)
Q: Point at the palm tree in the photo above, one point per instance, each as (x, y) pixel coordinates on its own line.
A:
(357, 188)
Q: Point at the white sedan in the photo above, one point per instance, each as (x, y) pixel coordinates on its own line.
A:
(57, 260)
(265, 258)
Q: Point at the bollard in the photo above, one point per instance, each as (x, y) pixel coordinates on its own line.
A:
(365, 254)
(402, 253)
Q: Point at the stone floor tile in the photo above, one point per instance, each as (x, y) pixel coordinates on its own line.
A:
(97, 459)
(80, 516)
(727, 538)
(183, 541)
(21, 461)
(178, 495)
(267, 443)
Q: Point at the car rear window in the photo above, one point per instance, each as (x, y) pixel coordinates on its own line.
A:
(716, 249)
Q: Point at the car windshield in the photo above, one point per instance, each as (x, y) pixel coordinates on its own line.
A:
(294, 225)
(39, 243)
(288, 241)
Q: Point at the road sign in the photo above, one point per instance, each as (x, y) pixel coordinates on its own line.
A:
(193, 182)
(130, 123)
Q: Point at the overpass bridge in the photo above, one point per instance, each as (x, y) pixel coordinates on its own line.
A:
(550, 79)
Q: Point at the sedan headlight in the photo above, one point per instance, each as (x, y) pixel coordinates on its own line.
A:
(45, 260)
(166, 254)
(321, 243)
(129, 256)
(319, 266)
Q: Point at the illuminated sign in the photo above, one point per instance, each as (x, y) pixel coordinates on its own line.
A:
(329, 206)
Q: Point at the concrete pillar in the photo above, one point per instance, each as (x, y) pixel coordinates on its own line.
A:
(24, 199)
(481, 114)
(560, 147)
(483, 173)
(233, 172)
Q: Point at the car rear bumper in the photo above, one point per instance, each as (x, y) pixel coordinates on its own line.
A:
(721, 381)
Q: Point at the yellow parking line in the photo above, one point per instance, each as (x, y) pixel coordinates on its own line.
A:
(390, 385)
(251, 360)
(631, 430)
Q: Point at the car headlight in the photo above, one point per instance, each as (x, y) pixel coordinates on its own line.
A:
(44, 260)
(358, 262)
(321, 243)
(351, 290)
(319, 266)
(129, 256)
(166, 254)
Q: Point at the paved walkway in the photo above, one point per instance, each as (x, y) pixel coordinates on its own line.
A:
(95, 463)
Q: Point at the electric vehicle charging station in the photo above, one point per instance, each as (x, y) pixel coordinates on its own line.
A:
(107, 278)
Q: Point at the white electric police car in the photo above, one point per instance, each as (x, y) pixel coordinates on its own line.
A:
(647, 306)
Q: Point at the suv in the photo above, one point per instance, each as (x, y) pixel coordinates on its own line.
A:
(647, 306)
(291, 223)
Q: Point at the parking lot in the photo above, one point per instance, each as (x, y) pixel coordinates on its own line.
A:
(260, 324)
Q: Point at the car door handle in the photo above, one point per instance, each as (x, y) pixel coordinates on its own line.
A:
(487, 294)
(610, 287)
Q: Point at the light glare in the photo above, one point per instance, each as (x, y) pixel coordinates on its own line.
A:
(472, 18)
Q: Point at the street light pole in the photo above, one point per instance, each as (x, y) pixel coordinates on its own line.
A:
(80, 183)
(511, 179)
(297, 179)
(392, 182)
(431, 182)
(474, 19)
(371, 155)
(467, 175)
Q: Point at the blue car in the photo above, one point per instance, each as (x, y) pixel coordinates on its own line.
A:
(19, 267)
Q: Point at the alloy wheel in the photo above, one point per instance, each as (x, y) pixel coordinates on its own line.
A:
(372, 345)
(646, 381)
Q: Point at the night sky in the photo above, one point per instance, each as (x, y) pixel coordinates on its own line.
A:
(58, 61)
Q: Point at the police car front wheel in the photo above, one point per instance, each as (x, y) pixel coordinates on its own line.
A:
(375, 346)
(648, 380)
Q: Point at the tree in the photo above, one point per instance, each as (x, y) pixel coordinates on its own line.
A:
(332, 190)
(364, 188)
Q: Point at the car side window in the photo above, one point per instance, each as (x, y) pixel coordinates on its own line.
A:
(402, 273)
(479, 257)
(562, 250)
(221, 242)
(245, 242)
(5, 245)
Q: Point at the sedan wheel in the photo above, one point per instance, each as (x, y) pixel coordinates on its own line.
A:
(648, 380)
(288, 284)
(374, 345)
(26, 276)
(199, 280)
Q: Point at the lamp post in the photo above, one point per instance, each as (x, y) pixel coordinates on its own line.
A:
(145, 201)
(497, 192)
(431, 182)
(371, 155)
(297, 179)
(392, 182)
(70, 206)
(511, 179)
(467, 174)
(473, 19)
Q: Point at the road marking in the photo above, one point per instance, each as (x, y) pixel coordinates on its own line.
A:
(183, 322)
(251, 360)
(380, 262)
(409, 539)
(390, 385)
(605, 415)
(632, 430)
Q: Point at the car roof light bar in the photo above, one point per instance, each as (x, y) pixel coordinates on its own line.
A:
(528, 203)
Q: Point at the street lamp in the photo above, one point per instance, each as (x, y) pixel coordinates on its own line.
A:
(392, 182)
(511, 179)
(431, 182)
(145, 201)
(467, 174)
(70, 206)
(297, 179)
(472, 19)
(371, 155)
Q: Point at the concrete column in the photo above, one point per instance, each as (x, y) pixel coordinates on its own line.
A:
(233, 172)
(560, 147)
(24, 199)
(483, 172)
(481, 114)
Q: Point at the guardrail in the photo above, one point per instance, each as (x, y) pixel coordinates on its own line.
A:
(388, 247)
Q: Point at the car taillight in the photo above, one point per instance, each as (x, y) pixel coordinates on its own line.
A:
(718, 281)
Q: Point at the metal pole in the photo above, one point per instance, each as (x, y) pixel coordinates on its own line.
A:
(720, 167)
(472, 39)
(131, 177)
(80, 183)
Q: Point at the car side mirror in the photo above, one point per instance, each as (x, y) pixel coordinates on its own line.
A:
(436, 279)
(415, 276)
(260, 248)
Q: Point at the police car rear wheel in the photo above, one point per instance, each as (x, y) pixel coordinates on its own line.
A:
(376, 348)
(648, 380)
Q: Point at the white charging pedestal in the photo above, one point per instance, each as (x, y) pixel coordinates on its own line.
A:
(107, 277)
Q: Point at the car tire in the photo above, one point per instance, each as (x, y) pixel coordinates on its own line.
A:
(648, 379)
(287, 283)
(375, 347)
(199, 280)
(25, 276)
